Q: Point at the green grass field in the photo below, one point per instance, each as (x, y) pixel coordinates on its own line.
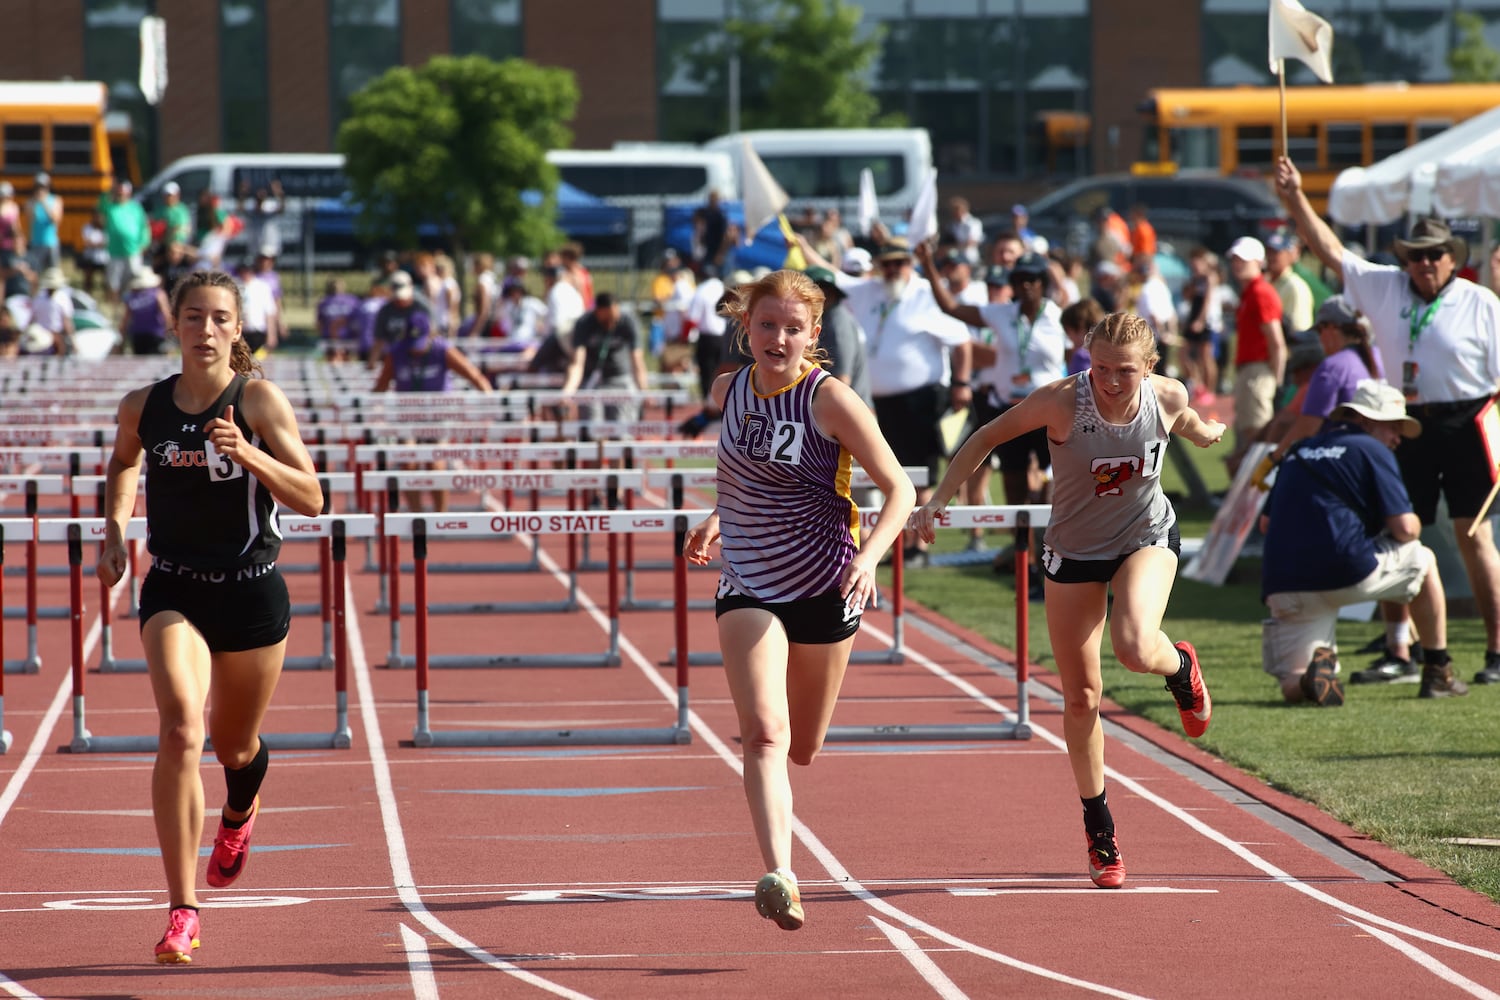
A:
(1406, 771)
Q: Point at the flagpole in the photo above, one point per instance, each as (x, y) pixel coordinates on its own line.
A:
(1281, 80)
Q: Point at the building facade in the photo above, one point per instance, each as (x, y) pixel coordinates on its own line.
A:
(982, 76)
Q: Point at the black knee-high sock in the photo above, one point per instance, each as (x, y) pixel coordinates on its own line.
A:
(242, 783)
(1096, 817)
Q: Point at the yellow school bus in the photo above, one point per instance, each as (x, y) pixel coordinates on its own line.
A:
(57, 129)
(1236, 130)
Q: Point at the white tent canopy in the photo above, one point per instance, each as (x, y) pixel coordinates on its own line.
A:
(1453, 174)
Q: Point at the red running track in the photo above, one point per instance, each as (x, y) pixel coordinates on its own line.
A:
(947, 869)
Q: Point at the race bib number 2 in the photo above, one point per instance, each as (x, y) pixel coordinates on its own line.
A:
(767, 440)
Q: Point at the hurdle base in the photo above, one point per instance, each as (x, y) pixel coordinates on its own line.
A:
(321, 662)
(117, 666)
(708, 659)
(448, 661)
(656, 605)
(674, 735)
(23, 666)
(47, 613)
(922, 733)
(519, 607)
(478, 567)
(85, 742)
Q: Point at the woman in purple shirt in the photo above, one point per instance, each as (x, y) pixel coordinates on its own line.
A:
(1348, 357)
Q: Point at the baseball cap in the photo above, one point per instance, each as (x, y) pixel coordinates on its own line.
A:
(997, 275)
(171, 188)
(1248, 248)
(821, 276)
(858, 262)
(401, 283)
(1030, 264)
(42, 180)
(1281, 240)
(1337, 310)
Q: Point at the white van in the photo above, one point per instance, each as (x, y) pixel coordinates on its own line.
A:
(303, 177)
(820, 168)
(646, 178)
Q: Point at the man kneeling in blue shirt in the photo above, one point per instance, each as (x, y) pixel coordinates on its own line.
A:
(1339, 529)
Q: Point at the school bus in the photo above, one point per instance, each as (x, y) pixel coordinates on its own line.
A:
(58, 129)
(1236, 130)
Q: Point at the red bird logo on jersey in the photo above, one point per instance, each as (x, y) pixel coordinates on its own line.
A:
(1111, 475)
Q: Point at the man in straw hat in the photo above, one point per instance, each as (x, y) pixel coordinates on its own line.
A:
(1340, 530)
(1439, 338)
(51, 315)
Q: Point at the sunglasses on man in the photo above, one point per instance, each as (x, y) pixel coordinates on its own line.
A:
(1432, 254)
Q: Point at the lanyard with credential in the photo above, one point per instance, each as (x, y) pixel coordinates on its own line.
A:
(1419, 323)
(1023, 341)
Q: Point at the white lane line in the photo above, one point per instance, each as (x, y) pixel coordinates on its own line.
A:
(1187, 818)
(15, 989)
(913, 953)
(44, 729)
(27, 766)
(419, 961)
(803, 833)
(1429, 963)
(395, 838)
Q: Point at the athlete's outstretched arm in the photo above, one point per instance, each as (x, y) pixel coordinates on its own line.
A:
(1180, 418)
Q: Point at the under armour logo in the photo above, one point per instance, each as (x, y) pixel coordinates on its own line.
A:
(189, 427)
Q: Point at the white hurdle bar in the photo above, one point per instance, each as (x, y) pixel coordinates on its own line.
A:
(334, 527)
(32, 486)
(418, 528)
(1022, 517)
(332, 483)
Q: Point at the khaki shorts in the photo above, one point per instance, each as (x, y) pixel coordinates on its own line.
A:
(1254, 400)
(1303, 620)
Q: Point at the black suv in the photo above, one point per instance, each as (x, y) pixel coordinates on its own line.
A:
(1186, 209)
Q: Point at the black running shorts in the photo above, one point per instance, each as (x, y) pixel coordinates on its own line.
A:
(232, 614)
(813, 621)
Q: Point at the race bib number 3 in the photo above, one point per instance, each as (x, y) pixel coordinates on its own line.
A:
(220, 467)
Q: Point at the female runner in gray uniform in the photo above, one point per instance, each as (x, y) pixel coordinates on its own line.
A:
(797, 575)
(1111, 527)
(222, 449)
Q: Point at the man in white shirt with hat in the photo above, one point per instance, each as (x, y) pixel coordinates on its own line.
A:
(1439, 337)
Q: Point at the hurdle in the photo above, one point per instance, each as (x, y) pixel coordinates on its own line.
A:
(1022, 517)
(32, 486)
(331, 483)
(16, 528)
(335, 528)
(419, 527)
(500, 524)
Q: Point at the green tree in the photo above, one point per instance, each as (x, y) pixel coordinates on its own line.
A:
(802, 64)
(455, 143)
(1472, 60)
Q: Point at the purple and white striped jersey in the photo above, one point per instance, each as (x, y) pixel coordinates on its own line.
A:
(787, 525)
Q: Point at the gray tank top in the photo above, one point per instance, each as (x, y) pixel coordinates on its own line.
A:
(1106, 493)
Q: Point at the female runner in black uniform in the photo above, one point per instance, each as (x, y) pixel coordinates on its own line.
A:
(222, 449)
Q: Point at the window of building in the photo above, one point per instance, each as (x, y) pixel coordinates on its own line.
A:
(112, 54)
(243, 90)
(486, 27)
(364, 42)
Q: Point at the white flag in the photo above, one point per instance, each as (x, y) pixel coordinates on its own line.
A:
(153, 80)
(923, 224)
(1297, 34)
(869, 208)
(764, 199)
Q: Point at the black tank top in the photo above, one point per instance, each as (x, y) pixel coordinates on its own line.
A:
(202, 510)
